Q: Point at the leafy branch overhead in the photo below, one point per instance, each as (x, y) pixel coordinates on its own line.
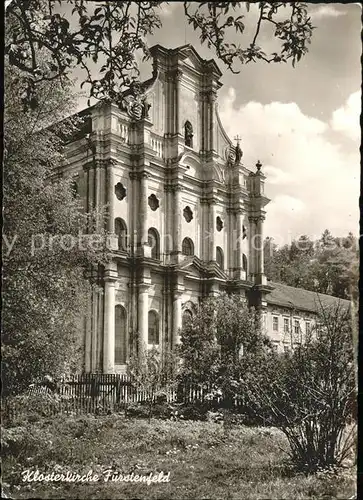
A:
(106, 38)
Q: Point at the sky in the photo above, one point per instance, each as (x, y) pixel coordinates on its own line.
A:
(302, 123)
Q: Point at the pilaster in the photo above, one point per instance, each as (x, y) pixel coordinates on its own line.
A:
(177, 236)
(143, 310)
(256, 249)
(212, 203)
(177, 314)
(110, 197)
(109, 327)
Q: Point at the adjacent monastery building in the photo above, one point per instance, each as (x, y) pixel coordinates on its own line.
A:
(185, 213)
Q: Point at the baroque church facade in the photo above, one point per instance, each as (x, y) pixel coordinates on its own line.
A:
(185, 214)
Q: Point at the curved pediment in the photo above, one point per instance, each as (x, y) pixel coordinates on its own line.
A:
(193, 166)
(224, 143)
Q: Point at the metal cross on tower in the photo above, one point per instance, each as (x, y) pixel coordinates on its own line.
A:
(237, 138)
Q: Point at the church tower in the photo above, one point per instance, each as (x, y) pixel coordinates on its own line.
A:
(185, 215)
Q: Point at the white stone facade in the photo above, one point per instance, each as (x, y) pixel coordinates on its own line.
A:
(186, 214)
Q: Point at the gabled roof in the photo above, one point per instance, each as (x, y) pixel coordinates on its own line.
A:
(301, 299)
(186, 51)
(209, 271)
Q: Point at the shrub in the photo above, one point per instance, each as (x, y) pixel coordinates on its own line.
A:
(154, 374)
(310, 393)
(28, 407)
(220, 346)
(197, 410)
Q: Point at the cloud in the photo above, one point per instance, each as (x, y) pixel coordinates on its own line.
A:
(326, 11)
(277, 176)
(167, 10)
(346, 118)
(313, 183)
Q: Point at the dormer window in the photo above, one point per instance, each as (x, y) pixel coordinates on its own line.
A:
(188, 134)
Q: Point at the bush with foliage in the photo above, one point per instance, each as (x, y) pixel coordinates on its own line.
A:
(30, 407)
(310, 393)
(154, 373)
(327, 265)
(220, 345)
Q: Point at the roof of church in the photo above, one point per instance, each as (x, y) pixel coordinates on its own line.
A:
(298, 298)
(185, 49)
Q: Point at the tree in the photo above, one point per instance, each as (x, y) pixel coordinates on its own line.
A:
(153, 373)
(111, 33)
(220, 345)
(310, 393)
(47, 252)
(323, 266)
(336, 256)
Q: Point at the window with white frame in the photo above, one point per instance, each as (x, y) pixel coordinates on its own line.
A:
(296, 327)
(307, 327)
(286, 325)
(275, 323)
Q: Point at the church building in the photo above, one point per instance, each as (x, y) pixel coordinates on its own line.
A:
(185, 214)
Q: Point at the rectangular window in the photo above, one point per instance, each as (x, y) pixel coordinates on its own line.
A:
(275, 347)
(286, 325)
(296, 327)
(275, 324)
(286, 348)
(307, 327)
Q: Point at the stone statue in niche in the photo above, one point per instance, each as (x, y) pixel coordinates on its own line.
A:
(188, 134)
(188, 214)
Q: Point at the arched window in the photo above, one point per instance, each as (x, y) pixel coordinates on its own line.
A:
(120, 335)
(244, 262)
(186, 317)
(121, 232)
(153, 329)
(188, 134)
(154, 243)
(187, 247)
(220, 257)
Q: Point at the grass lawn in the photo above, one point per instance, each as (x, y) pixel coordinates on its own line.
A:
(203, 461)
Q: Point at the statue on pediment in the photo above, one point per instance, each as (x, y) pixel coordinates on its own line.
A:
(134, 100)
